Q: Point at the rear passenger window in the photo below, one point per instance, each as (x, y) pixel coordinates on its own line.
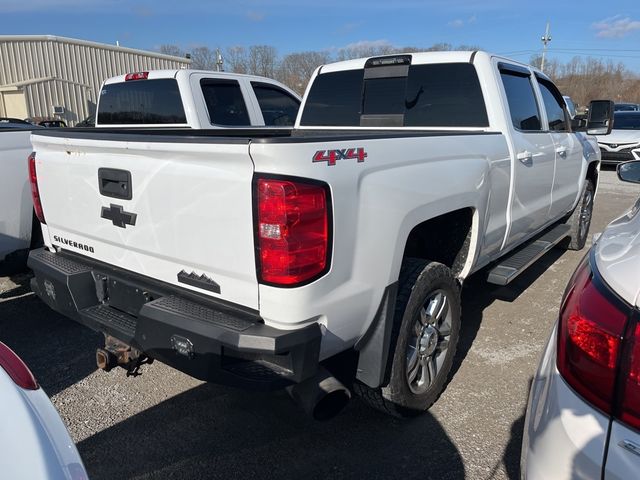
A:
(225, 102)
(435, 95)
(279, 109)
(522, 101)
(553, 105)
(141, 102)
(335, 99)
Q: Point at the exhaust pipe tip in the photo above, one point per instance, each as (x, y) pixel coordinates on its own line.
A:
(322, 396)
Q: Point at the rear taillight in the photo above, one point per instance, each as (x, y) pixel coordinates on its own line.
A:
(136, 76)
(598, 354)
(35, 192)
(294, 242)
(16, 368)
(630, 408)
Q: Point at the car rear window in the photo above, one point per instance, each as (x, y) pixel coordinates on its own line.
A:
(436, 95)
(141, 102)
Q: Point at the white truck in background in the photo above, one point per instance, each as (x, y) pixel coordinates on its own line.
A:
(195, 99)
(17, 224)
(254, 257)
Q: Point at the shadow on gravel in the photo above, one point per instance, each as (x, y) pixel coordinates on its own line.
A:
(58, 351)
(202, 433)
(477, 295)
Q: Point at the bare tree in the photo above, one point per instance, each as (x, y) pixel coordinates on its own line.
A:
(296, 69)
(263, 60)
(236, 60)
(203, 58)
(174, 50)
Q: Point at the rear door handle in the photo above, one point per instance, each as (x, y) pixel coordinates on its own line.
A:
(525, 157)
(562, 152)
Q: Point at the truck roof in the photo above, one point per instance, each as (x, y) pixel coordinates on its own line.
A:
(418, 58)
(174, 73)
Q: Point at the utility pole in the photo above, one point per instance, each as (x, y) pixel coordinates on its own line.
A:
(546, 38)
(219, 61)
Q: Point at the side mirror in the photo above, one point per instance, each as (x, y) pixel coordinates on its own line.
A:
(629, 171)
(600, 120)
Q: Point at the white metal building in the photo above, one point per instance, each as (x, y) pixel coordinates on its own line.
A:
(43, 76)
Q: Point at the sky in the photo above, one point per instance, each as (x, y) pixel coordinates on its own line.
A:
(604, 30)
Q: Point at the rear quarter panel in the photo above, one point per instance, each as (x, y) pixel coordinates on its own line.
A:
(376, 204)
(15, 194)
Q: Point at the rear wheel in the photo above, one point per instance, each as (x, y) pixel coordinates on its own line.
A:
(424, 339)
(580, 219)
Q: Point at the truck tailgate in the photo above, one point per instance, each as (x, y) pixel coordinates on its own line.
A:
(188, 221)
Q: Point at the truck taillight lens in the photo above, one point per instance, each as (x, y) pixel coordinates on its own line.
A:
(593, 351)
(292, 230)
(16, 369)
(35, 192)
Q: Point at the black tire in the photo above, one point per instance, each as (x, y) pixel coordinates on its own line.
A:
(580, 219)
(420, 284)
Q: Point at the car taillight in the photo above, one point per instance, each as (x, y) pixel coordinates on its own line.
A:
(292, 230)
(35, 192)
(136, 76)
(630, 389)
(598, 353)
(16, 368)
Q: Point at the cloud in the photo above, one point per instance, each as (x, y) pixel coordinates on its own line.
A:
(256, 16)
(460, 22)
(366, 44)
(615, 27)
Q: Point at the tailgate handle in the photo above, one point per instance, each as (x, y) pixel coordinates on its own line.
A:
(115, 183)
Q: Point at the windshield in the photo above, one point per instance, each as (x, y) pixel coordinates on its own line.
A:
(626, 122)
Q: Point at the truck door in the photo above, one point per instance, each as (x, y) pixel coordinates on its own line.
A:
(534, 155)
(568, 151)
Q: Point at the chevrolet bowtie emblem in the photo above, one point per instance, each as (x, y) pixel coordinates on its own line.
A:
(118, 216)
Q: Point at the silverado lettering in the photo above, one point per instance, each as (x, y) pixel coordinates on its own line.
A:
(73, 244)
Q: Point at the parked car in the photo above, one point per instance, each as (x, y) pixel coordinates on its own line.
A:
(583, 419)
(52, 123)
(626, 107)
(19, 229)
(623, 143)
(251, 257)
(7, 122)
(195, 99)
(34, 443)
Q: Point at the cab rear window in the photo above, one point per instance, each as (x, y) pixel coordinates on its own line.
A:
(432, 95)
(141, 102)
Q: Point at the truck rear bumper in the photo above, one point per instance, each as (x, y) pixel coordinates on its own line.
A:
(202, 337)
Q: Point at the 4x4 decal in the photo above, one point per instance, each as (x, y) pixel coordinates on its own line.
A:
(332, 156)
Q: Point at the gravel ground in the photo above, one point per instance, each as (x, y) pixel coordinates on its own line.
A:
(164, 424)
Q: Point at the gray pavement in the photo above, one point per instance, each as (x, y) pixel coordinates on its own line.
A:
(164, 424)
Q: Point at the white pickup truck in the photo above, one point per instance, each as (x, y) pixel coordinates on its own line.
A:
(16, 208)
(254, 257)
(195, 99)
